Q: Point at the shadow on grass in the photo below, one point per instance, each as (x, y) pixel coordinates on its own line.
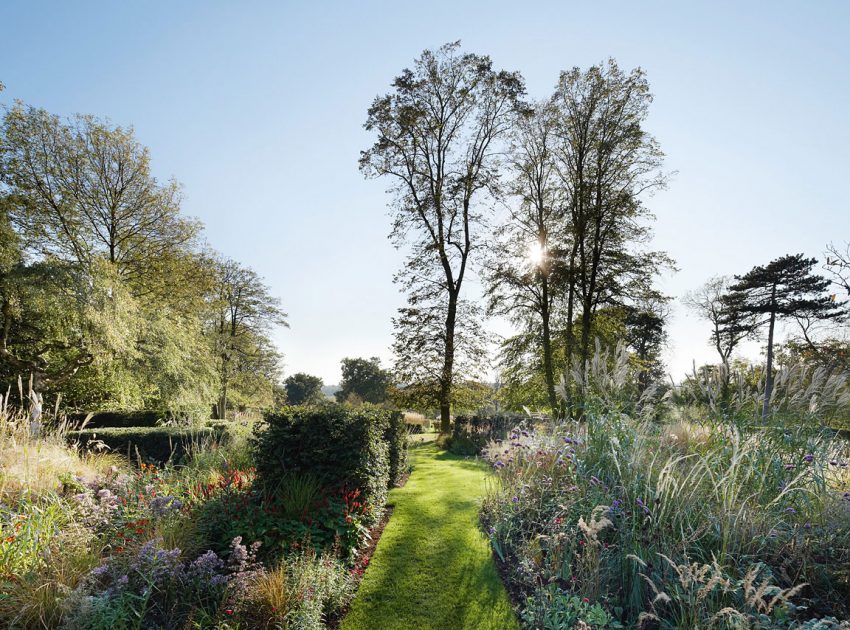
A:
(433, 567)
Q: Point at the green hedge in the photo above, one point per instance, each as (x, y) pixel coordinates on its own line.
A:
(470, 434)
(343, 446)
(125, 419)
(396, 437)
(158, 444)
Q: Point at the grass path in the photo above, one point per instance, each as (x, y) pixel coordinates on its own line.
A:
(432, 567)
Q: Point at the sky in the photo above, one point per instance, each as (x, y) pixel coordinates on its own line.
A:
(257, 108)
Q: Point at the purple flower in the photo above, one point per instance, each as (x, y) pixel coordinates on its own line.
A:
(790, 510)
(808, 458)
(100, 571)
(567, 440)
(499, 464)
(492, 530)
(515, 500)
(789, 466)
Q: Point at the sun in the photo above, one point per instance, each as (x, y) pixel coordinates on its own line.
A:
(536, 254)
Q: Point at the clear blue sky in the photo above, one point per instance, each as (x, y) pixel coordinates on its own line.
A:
(257, 108)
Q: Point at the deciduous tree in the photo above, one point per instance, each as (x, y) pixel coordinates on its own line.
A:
(438, 133)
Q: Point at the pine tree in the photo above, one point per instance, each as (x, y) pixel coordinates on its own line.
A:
(784, 288)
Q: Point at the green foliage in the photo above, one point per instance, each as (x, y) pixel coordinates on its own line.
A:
(106, 295)
(396, 436)
(471, 434)
(678, 524)
(365, 379)
(156, 444)
(303, 389)
(116, 419)
(552, 608)
(432, 568)
(343, 446)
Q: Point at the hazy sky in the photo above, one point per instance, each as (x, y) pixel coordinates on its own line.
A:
(257, 108)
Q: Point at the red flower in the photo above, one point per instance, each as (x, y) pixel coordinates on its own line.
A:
(229, 611)
(585, 600)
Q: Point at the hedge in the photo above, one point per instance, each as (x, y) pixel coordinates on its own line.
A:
(157, 444)
(396, 437)
(125, 419)
(471, 434)
(343, 446)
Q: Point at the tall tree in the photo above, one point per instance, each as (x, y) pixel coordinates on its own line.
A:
(730, 324)
(784, 288)
(437, 142)
(303, 389)
(606, 163)
(87, 193)
(246, 312)
(365, 379)
(523, 270)
(646, 336)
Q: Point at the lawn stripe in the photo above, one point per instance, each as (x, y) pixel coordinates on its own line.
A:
(432, 567)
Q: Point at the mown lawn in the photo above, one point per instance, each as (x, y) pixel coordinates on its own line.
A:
(432, 567)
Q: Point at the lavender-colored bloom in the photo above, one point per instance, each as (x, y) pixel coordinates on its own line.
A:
(122, 581)
(789, 466)
(790, 510)
(492, 530)
(515, 500)
(525, 433)
(567, 440)
(100, 571)
(808, 458)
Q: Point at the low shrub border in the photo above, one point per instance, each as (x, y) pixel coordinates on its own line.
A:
(154, 444)
(118, 419)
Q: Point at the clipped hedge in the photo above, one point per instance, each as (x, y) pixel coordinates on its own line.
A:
(343, 446)
(154, 444)
(471, 434)
(119, 419)
(396, 437)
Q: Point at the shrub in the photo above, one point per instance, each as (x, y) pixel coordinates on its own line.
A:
(396, 437)
(303, 591)
(342, 446)
(157, 444)
(119, 419)
(471, 434)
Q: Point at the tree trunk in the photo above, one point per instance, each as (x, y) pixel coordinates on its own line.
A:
(547, 348)
(768, 377)
(448, 367)
(569, 341)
